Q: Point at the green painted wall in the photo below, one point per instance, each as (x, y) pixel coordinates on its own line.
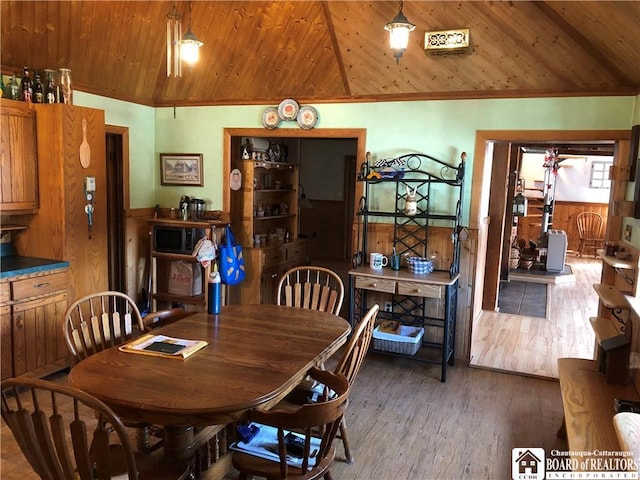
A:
(143, 162)
(443, 129)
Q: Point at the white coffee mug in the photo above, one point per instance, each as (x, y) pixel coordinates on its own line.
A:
(378, 260)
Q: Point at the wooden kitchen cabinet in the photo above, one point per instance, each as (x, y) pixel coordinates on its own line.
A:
(60, 230)
(32, 318)
(265, 266)
(6, 341)
(18, 159)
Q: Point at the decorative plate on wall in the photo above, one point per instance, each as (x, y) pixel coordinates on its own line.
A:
(270, 118)
(307, 117)
(288, 109)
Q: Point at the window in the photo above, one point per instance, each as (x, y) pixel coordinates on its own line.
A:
(600, 175)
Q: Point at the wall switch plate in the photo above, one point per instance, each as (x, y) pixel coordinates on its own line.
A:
(388, 307)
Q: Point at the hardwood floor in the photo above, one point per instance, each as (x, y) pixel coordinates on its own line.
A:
(405, 424)
(531, 345)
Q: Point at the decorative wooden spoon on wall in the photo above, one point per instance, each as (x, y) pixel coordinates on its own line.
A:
(85, 150)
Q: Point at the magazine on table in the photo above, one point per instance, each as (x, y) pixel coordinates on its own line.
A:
(163, 346)
(264, 444)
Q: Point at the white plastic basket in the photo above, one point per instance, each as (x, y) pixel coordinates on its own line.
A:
(402, 342)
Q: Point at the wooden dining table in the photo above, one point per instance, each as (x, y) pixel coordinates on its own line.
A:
(256, 355)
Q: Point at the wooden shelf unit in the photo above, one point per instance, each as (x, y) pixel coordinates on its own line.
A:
(160, 266)
(264, 208)
(612, 326)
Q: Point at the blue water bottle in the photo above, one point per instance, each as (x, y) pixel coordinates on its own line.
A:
(215, 293)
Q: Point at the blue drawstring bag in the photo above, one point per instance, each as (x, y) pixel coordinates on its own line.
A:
(231, 260)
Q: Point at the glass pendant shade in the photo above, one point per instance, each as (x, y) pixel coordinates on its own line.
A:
(399, 29)
(190, 48)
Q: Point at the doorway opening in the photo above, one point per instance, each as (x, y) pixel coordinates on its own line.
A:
(541, 238)
(116, 141)
(536, 343)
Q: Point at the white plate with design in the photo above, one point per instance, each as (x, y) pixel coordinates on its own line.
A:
(307, 117)
(288, 109)
(270, 118)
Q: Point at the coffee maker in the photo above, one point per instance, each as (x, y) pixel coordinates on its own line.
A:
(196, 208)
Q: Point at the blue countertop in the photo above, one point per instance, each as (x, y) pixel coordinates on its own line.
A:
(12, 265)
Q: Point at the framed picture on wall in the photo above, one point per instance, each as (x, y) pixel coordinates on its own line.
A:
(181, 169)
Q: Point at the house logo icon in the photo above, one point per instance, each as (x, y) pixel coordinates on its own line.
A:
(527, 463)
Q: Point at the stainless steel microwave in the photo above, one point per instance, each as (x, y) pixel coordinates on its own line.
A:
(174, 239)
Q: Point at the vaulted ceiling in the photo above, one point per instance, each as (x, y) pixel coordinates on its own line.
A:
(259, 52)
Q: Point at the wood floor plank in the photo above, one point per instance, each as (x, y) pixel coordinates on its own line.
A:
(530, 345)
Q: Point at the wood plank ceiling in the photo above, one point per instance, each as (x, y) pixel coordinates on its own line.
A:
(259, 52)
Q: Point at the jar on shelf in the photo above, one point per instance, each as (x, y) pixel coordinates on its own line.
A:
(65, 83)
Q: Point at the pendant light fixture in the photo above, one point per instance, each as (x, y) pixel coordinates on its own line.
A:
(399, 29)
(174, 35)
(190, 44)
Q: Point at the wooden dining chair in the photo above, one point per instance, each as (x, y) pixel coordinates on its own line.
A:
(312, 287)
(65, 433)
(348, 366)
(102, 320)
(590, 226)
(351, 361)
(99, 321)
(319, 419)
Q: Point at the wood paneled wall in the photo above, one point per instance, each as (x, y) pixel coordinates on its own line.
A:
(564, 218)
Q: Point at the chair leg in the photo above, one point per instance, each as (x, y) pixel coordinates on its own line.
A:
(345, 442)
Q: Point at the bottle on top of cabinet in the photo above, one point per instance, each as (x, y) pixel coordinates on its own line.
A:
(38, 90)
(27, 86)
(50, 93)
(13, 89)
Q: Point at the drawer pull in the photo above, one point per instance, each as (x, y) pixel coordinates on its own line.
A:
(374, 284)
(42, 285)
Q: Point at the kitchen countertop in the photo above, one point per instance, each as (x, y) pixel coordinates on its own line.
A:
(13, 265)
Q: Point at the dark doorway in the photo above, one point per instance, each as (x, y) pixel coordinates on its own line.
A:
(327, 175)
(115, 212)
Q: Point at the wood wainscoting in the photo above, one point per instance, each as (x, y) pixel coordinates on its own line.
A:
(138, 250)
(564, 218)
(440, 245)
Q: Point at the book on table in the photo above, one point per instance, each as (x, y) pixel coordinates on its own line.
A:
(163, 346)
